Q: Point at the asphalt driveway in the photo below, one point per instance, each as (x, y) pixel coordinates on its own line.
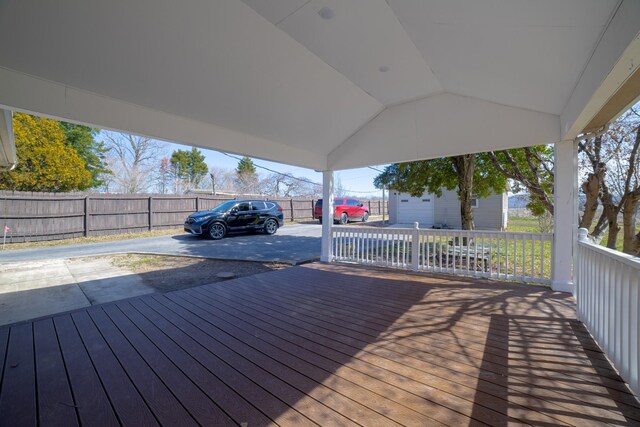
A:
(293, 243)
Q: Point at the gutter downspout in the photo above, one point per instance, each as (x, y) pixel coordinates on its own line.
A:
(7, 143)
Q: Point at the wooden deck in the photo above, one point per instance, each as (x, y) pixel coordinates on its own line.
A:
(319, 344)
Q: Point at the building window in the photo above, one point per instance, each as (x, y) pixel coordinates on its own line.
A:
(474, 202)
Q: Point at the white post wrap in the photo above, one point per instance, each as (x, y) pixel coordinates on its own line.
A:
(327, 215)
(565, 214)
(415, 247)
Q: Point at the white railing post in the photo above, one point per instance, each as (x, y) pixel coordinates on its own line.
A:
(415, 247)
(608, 302)
(583, 236)
(565, 214)
(326, 254)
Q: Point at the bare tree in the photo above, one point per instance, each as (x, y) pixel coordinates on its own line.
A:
(165, 176)
(133, 160)
(286, 185)
(222, 179)
(613, 180)
(338, 188)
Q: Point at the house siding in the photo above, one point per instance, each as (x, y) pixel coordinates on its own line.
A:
(491, 213)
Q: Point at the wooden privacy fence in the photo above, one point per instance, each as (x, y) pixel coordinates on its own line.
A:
(52, 216)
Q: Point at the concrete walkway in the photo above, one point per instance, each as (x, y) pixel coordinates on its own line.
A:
(30, 290)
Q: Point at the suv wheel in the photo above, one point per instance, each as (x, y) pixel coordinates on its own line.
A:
(271, 226)
(344, 219)
(217, 230)
(365, 217)
(320, 220)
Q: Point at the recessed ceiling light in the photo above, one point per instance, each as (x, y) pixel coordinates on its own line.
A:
(326, 13)
(383, 69)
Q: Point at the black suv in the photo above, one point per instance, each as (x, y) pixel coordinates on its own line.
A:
(236, 215)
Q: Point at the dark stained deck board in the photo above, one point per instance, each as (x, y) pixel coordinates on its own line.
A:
(56, 406)
(301, 374)
(361, 320)
(316, 345)
(196, 402)
(366, 315)
(169, 342)
(397, 363)
(268, 376)
(18, 400)
(368, 318)
(240, 398)
(282, 349)
(444, 361)
(124, 396)
(297, 357)
(575, 395)
(373, 365)
(166, 408)
(93, 405)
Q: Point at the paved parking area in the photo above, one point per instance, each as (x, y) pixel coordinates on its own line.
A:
(293, 243)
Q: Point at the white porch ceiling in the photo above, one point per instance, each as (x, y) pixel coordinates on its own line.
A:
(274, 79)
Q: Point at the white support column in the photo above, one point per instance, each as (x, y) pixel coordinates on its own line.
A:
(565, 215)
(327, 215)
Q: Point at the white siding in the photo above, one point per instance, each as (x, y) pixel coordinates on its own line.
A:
(416, 209)
(489, 215)
(405, 209)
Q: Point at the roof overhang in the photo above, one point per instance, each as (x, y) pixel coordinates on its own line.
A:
(379, 82)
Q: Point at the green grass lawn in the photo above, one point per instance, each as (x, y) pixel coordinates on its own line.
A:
(530, 224)
(523, 224)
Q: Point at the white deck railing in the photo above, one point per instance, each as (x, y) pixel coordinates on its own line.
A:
(607, 294)
(503, 255)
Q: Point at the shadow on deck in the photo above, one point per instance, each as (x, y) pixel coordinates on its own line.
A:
(316, 344)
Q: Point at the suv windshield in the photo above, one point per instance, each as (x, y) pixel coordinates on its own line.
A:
(225, 206)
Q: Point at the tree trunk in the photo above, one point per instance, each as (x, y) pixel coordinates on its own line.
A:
(631, 243)
(465, 167)
(600, 228)
(591, 188)
(636, 245)
(611, 211)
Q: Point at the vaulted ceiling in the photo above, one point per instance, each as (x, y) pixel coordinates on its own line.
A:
(317, 83)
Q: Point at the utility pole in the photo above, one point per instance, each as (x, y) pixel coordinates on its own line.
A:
(384, 203)
(213, 184)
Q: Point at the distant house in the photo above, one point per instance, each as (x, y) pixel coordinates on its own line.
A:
(489, 213)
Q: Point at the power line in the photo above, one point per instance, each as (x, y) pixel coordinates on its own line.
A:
(305, 180)
(288, 175)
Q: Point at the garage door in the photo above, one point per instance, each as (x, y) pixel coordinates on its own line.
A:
(416, 209)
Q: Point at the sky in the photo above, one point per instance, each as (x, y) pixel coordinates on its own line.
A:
(356, 182)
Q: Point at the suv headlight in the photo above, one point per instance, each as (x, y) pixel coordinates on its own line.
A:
(203, 218)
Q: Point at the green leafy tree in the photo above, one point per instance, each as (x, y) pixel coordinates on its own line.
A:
(246, 176)
(529, 168)
(189, 166)
(246, 167)
(82, 139)
(45, 161)
(473, 175)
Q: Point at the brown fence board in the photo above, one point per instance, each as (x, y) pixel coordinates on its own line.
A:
(52, 216)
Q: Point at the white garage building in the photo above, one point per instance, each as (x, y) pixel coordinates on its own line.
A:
(489, 213)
